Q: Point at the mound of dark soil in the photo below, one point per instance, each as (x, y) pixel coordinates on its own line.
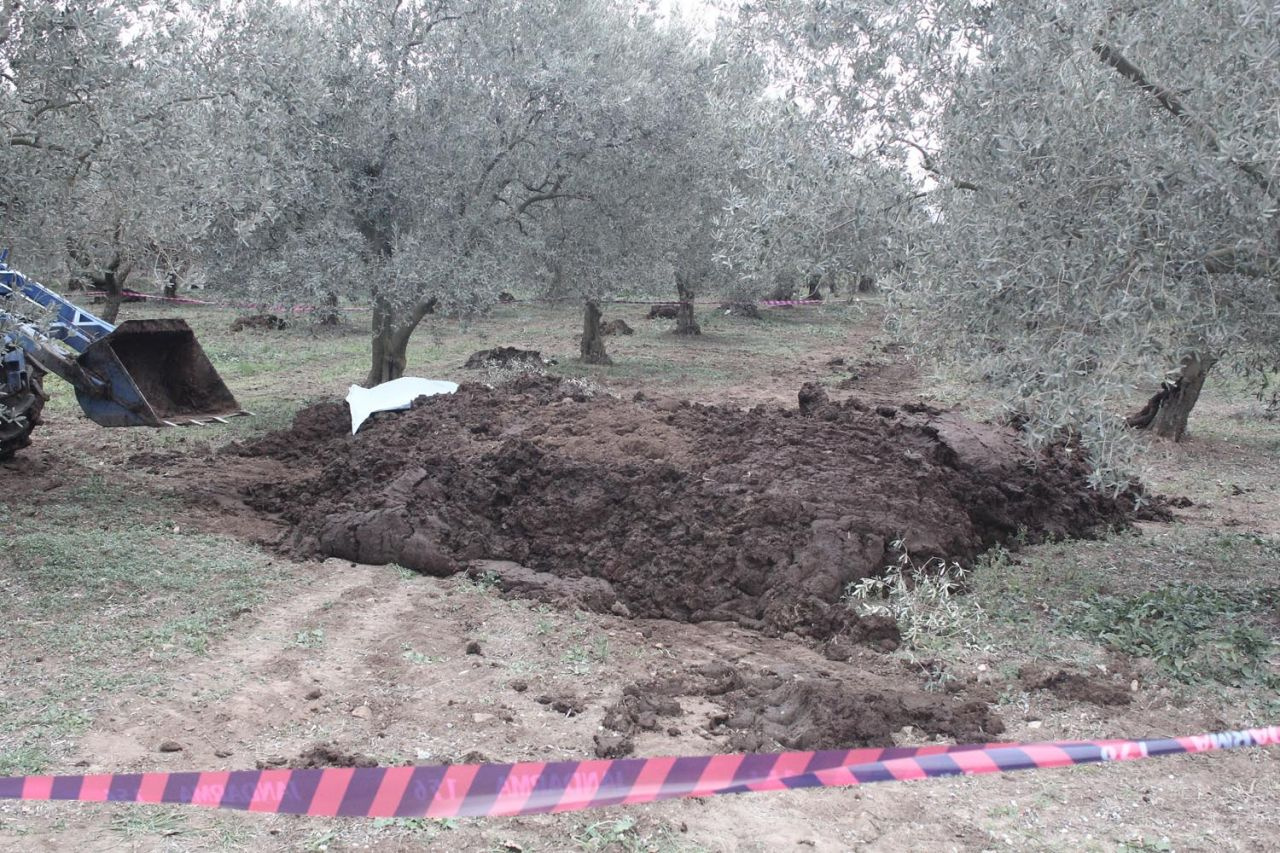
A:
(663, 311)
(616, 327)
(262, 322)
(765, 710)
(1075, 686)
(741, 309)
(685, 511)
(320, 756)
(507, 357)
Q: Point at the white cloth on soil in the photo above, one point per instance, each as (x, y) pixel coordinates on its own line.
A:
(392, 396)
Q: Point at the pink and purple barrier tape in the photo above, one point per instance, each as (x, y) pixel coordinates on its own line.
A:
(498, 790)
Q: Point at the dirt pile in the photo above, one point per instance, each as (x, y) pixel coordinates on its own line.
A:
(663, 311)
(317, 757)
(507, 357)
(766, 710)
(684, 511)
(1075, 686)
(260, 322)
(616, 327)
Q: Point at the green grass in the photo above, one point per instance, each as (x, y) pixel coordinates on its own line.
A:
(138, 822)
(1193, 632)
(1198, 604)
(101, 590)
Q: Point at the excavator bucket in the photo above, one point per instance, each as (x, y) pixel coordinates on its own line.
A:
(156, 374)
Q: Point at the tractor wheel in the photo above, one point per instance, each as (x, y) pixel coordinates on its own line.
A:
(22, 412)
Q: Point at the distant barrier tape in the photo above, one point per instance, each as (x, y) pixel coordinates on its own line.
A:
(498, 790)
(182, 300)
(301, 309)
(722, 303)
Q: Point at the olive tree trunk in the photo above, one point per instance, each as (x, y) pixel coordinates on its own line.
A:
(593, 351)
(113, 286)
(1166, 413)
(391, 333)
(815, 287)
(111, 281)
(686, 323)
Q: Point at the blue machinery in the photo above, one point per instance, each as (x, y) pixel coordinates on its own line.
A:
(139, 373)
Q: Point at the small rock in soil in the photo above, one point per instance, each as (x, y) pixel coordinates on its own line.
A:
(473, 648)
(170, 746)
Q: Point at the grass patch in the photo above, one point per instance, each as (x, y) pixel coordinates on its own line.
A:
(1192, 601)
(625, 834)
(102, 590)
(1193, 633)
(141, 822)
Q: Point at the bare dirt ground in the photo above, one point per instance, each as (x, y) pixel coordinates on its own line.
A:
(145, 607)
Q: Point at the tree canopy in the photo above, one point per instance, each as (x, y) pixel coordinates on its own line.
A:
(1077, 201)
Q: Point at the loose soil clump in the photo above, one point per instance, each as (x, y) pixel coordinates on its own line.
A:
(261, 322)
(663, 311)
(673, 510)
(616, 327)
(766, 710)
(1075, 686)
(507, 357)
(741, 309)
(320, 756)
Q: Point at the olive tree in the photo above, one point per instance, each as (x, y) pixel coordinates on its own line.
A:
(1097, 190)
(808, 206)
(1118, 216)
(430, 149)
(103, 136)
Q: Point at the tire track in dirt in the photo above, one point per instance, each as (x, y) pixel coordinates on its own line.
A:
(251, 684)
(374, 663)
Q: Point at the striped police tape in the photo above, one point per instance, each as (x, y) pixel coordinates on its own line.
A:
(495, 790)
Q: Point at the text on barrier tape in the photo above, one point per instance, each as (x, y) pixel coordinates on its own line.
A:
(470, 790)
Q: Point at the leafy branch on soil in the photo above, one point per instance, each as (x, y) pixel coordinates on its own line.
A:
(922, 598)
